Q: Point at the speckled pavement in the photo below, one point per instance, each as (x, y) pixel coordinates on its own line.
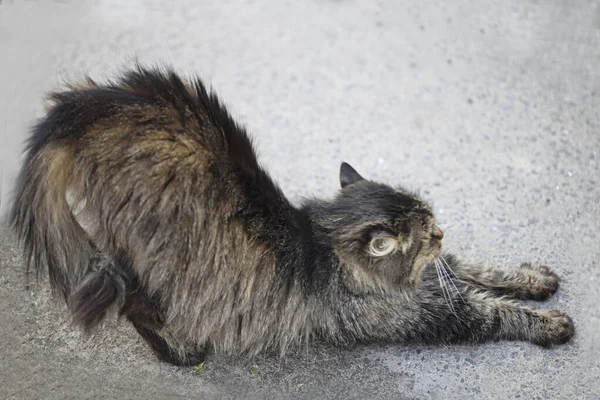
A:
(491, 108)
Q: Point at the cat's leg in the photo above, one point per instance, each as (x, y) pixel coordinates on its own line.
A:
(469, 315)
(144, 316)
(527, 282)
(168, 350)
(477, 317)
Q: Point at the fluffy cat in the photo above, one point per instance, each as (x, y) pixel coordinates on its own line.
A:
(143, 195)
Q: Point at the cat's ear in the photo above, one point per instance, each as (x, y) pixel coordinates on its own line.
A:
(348, 175)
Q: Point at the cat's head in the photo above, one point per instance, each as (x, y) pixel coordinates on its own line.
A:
(382, 235)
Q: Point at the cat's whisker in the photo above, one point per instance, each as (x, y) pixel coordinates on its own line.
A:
(448, 226)
(447, 270)
(437, 271)
(442, 282)
(441, 276)
(445, 275)
(445, 289)
(446, 278)
(449, 278)
(443, 260)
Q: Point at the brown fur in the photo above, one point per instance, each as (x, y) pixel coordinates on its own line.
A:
(145, 197)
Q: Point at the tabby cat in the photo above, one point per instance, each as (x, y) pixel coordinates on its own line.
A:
(143, 196)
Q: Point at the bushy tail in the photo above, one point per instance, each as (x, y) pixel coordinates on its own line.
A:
(53, 240)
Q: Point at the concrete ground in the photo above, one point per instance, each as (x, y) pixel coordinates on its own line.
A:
(490, 107)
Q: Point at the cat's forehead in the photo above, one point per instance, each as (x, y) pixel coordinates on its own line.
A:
(414, 203)
(390, 201)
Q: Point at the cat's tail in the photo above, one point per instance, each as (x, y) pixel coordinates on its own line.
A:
(54, 242)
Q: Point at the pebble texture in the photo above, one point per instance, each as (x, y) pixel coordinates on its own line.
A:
(490, 108)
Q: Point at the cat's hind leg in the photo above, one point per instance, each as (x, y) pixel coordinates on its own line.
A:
(527, 282)
(146, 318)
(168, 351)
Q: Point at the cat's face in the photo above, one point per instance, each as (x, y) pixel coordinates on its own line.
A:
(382, 233)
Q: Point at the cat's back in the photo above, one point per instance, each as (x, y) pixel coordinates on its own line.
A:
(157, 161)
(148, 122)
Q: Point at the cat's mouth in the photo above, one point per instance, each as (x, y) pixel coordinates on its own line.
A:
(436, 250)
(437, 236)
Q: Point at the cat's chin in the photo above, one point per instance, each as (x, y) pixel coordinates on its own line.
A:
(434, 255)
(418, 266)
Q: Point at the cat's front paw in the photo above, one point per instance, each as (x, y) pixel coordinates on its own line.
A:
(540, 282)
(556, 328)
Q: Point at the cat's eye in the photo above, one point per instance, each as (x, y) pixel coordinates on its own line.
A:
(382, 246)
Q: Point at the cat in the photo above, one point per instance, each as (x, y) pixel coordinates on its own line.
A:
(143, 196)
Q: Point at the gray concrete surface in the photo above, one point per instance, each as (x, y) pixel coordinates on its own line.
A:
(490, 107)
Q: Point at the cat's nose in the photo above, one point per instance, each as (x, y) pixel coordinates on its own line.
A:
(438, 233)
